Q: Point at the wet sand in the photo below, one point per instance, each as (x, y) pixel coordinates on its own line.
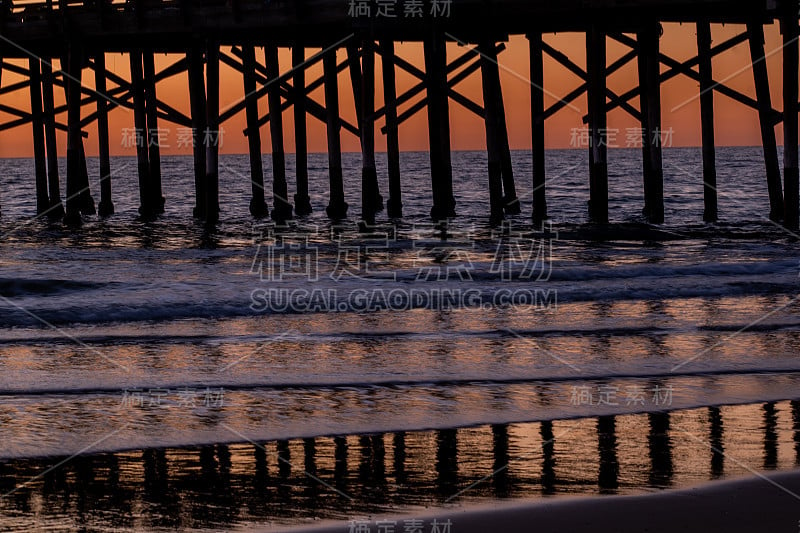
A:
(753, 504)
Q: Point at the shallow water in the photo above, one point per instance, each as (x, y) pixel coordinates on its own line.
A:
(301, 481)
(160, 339)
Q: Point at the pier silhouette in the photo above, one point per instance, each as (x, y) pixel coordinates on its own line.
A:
(206, 34)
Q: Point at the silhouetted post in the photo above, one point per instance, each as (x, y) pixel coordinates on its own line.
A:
(399, 463)
(710, 212)
(87, 202)
(106, 206)
(282, 209)
(650, 98)
(510, 201)
(371, 201)
(340, 463)
(197, 97)
(660, 447)
(56, 207)
(446, 461)
(502, 460)
(258, 205)
(211, 137)
(153, 137)
(146, 209)
(716, 440)
(284, 459)
(598, 151)
(796, 430)
(537, 125)
(72, 84)
(492, 121)
(608, 473)
(337, 207)
(791, 187)
(439, 127)
(40, 157)
(766, 119)
(548, 457)
(394, 205)
(770, 426)
(302, 202)
(354, 68)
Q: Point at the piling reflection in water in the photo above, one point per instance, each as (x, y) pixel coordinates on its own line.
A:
(289, 481)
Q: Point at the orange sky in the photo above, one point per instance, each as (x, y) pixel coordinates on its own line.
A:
(735, 124)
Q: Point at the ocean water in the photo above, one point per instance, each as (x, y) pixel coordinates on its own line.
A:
(162, 352)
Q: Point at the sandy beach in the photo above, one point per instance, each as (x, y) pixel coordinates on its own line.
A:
(754, 504)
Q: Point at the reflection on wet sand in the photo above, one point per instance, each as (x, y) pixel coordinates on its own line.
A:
(290, 481)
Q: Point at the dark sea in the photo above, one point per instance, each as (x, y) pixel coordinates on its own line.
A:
(162, 376)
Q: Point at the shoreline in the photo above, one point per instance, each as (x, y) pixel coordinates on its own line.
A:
(759, 503)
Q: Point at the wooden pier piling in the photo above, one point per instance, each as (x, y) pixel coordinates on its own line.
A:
(766, 119)
(72, 84)
(394, 205)
(258, 204)
(337, 207)
(492, 119)
(87, 202)
(791, 53)
(371, 201)
(37, 123)
(106, 206)
(56, 209)
(281, 208)
(650, 98)
(153, 133)
(539, 213)
(511, 203)
(146, 208)
(598, 150)
(211, 138)
(197, 99)
(302, 201)
(710, 212)
(439, 127)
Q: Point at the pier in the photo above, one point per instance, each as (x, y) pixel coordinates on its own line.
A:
(202, 35)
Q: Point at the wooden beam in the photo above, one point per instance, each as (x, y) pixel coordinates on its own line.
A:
(686, 68)
(452, 82)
